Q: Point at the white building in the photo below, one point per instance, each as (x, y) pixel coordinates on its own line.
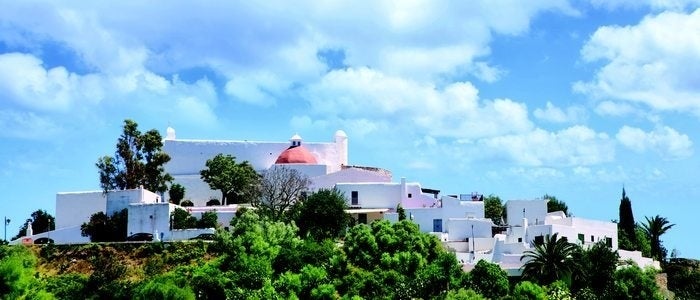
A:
(370, 192)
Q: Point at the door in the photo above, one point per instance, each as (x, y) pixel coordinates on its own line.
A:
(362, 218)
(437, 225)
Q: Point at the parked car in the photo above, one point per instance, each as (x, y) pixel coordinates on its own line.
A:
(140, 237)
(204, 237)
(43, 240)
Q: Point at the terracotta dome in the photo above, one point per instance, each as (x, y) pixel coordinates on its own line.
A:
(296, 155)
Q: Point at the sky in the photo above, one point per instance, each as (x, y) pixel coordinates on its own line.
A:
(518, 99)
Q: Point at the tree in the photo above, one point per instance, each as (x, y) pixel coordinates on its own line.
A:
(176, 193)
(529, 290)
(237, 181)
(596, 269)
(181, 219)
(493, 209)
(401, 212)
(138, 161)
(322, 214)
(209, 219)
(554, 204)
(280, 189)
(17, 280)
(41, 222)
(654, 228)
(550, 261)
(631, 282)
(627, 223)
(489, 280)
(103, 228)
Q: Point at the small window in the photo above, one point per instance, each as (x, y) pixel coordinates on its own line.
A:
(520, 240)
(410, 195)
(608, 242)
(592, 238)
(362, 218)
(581, 238)
(354, 199)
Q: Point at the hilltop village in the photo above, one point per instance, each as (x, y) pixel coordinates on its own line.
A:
(371, 193)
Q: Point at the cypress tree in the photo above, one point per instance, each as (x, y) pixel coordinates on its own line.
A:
(626, 217)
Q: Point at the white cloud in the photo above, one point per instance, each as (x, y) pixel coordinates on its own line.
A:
(656, 62)
(25, 81)
(654, 4)
(616, 109)
(573, 146)
(554, 114)
(454, 111)
(666, 141)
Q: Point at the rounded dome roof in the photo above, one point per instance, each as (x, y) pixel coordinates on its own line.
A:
(296, 155)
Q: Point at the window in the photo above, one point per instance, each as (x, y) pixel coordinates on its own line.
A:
(592, 239)
(520, 240)
(608, 242)
(581, 238)
(362, 218)
(354, 200)
(410, 195)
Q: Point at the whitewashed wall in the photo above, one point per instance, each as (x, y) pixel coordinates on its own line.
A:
(119, 200)
(149, 217)
(75, 208)
(461, 228)
(350, 175)
(535, 210)
(372, 195)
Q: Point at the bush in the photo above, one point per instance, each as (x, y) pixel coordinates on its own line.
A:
(529, 290)
(213, 202)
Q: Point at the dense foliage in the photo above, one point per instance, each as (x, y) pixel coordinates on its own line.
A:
(554, 204)
(138, 161)
(322, 215)
(493, 209)
(40, 220)
(176, 193)
(627, 225)
(103, 228)
(260, 258)
(237, 182)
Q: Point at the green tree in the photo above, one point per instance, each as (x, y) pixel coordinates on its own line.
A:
(554, 204)
(463, 294)
(237, 182)
(527, 290)
(683, 277)
(550, 261)
(176, 193)
(138, 161)
(493, 209)
(401, 212)
(209, 219)
(596, 269)
(631, 282)
(654, 228)
(41, 222)
(489, 280)
(322, 214)
(163, 287)
(103, 228)
(627, 224)
(17, 269)
(182, 219)
(280, 189)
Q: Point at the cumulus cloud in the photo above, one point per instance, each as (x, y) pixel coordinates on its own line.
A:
(554, 114)
(573, 146)
(453, 111)
(654, 4)
(666, 141)
(655, 63)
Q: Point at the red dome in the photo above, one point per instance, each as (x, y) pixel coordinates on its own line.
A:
(296, 155)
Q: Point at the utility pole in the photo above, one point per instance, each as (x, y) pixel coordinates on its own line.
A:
(7, 221)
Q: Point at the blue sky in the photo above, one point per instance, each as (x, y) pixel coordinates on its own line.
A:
(513, 98)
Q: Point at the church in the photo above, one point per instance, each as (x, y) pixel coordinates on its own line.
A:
(371, 193)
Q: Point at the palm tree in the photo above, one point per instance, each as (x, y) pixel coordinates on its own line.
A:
(654, 229)
(550, 261)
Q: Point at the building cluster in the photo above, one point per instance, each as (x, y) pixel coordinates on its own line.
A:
(371, 194)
